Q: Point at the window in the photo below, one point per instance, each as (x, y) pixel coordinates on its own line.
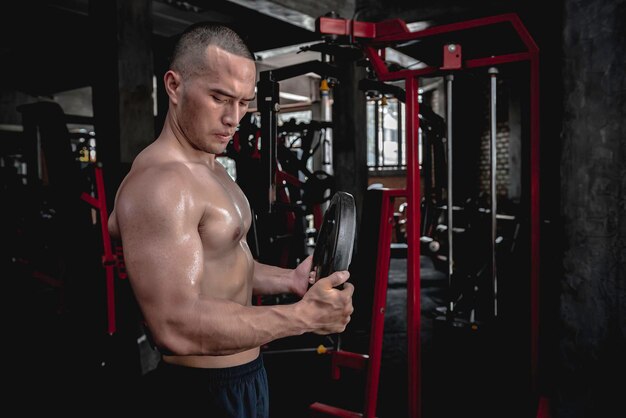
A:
(386, 137)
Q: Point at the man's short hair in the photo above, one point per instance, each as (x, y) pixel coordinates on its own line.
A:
(191, 45)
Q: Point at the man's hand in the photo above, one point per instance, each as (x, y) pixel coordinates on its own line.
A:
(302, 276)
(326, 307)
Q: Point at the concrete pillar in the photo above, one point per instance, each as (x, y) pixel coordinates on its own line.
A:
(122, 89)
(593, 180)
(349, 132)
(124, 125)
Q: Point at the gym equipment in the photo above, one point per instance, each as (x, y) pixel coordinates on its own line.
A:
(450, 206)
(494, 201)
(111, 260)
(469, 279)
(318, 186)
(282, 236)
(276, 179)
(55, 236)
(335, 239)
(269, 106)
(485, 42)
(373, 269)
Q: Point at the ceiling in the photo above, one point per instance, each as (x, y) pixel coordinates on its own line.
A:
(46, 47)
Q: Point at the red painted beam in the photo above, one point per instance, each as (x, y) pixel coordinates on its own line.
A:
(320, 410)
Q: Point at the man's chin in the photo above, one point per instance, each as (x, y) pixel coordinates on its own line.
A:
(219, 149)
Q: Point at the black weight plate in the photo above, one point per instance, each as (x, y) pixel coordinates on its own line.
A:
(335, 239)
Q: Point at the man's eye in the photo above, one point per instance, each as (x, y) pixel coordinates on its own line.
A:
(217, 99)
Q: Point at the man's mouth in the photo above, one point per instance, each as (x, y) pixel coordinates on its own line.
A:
(224, 136)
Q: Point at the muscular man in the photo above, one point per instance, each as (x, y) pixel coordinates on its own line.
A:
(183, 222)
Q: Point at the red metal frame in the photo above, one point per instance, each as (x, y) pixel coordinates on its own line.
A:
(380, 299)
(373, 37)
(109, 259)
(371, 361)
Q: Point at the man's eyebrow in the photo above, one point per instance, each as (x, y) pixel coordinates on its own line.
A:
(228, 94)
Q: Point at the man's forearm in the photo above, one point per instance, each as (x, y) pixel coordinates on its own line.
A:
(271, 280)
(221, 327)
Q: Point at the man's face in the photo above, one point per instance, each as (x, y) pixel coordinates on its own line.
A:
(214, 101)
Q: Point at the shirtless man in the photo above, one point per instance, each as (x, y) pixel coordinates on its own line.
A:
(183, 222)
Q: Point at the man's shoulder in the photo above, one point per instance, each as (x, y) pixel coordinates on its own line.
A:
(164, 173)
(150, 183)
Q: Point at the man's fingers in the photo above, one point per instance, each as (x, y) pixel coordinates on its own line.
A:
(338, 278)
(308, 261)
(348, 287)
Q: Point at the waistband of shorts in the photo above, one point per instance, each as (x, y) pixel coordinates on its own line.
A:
(216, 374)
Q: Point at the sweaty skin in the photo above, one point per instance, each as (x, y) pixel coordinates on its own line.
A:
(183, 223)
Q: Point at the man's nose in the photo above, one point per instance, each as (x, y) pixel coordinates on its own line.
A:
(231, 115)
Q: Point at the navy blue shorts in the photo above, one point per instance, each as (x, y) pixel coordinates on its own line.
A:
(231, 392)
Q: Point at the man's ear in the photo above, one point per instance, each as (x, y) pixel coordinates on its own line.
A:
(172, 82)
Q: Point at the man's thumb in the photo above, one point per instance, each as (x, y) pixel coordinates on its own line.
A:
(338, 278)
